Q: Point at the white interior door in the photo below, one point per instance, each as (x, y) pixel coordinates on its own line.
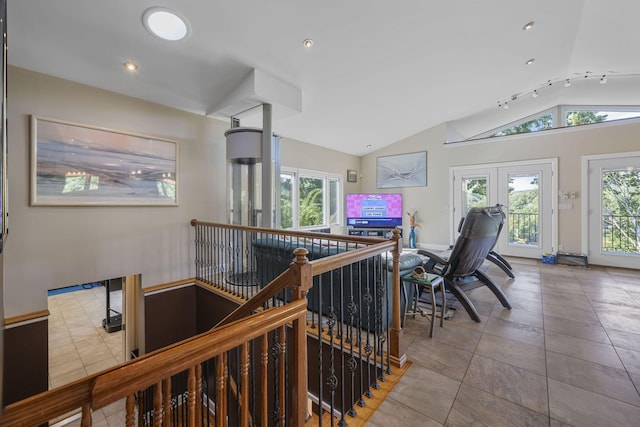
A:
(613, 209)
(526, 189)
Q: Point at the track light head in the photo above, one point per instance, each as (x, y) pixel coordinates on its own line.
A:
(603, 80)
(534, 94)
(567, 83)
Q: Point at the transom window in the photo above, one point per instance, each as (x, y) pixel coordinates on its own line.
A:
(563, 116)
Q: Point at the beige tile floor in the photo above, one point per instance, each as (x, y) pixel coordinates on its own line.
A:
(567, 354)
(80, 346)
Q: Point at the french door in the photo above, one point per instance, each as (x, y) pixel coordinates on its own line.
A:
(526, 189)
(612, 235)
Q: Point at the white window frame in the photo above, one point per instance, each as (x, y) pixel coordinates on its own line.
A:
(295, 196)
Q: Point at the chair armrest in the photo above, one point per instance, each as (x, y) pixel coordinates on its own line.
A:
(435, 263)
(432, 256)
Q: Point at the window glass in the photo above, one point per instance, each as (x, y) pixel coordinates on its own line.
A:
(475, 193)
(576, 117)
(334, 201)
(311, 201)
(286, 200)
(535, 125)
(524, 209)
(567, 116)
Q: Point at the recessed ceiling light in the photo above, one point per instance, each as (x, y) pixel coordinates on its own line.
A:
(307, 43)
(528, 26)
(130, 66)
(165, 23)
(530, 61)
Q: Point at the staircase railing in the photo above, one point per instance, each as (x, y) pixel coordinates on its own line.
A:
(353, 292)
(256, 361)
(156, 369)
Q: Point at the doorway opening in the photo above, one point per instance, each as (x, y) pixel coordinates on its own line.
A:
(87, 328)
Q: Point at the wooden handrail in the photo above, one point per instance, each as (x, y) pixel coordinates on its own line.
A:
(257, 301)
(292, 233)
(332, 262)
(121, 381)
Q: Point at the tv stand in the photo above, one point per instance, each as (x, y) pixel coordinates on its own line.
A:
(386, 232)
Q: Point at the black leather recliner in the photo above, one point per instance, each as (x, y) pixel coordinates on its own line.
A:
(460, 270)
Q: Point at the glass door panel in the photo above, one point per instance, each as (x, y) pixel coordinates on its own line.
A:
(527, 192)
(523, 209)
(614, 210)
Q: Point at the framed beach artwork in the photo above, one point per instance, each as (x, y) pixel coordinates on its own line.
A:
(80, 165)
(402, 170)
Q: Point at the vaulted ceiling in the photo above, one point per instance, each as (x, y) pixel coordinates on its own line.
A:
(378, 70)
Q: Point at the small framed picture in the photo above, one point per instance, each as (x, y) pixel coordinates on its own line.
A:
(352, 176)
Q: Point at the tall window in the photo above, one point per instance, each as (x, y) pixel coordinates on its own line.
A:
(309, 199)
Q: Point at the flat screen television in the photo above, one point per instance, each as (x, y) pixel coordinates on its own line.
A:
(374, 210)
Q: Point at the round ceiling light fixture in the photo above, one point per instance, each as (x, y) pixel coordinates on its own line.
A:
(130, 66)
(528, 26)
(307, 43)
(165, 24)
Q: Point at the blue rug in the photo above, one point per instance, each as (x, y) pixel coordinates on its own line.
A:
(72, 288)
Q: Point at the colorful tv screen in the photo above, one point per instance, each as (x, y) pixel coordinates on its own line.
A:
(374, 210)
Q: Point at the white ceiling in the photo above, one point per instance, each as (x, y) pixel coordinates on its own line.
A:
(379, 70)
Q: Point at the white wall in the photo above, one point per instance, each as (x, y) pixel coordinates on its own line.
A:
(51, 247)
(296, 154)
(568, 145)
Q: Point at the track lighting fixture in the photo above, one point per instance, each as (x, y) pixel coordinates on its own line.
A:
(567, 82)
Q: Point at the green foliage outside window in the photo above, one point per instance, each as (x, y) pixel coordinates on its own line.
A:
(540, 123)
(286, 201)
(621, 211)
(476, 190)
(524, 224)
(311, 207)
(576, 118)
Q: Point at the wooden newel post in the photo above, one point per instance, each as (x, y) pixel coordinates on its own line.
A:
(395, 336)
(303, 279)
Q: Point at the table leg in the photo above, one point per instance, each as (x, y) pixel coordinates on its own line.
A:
(433, 311)
(444, 303)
